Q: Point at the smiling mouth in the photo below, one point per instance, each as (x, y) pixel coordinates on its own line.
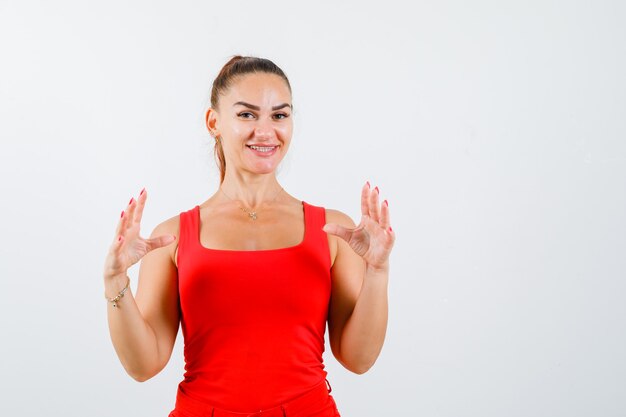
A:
(262, 148)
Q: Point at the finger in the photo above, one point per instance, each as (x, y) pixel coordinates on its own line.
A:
(121, 225)
(374, 206)
(132, 205)
(141, 203)
(384, 215)
(392, 234)
(365, 192)
(338, 230)
(117, 244)
(160, 241)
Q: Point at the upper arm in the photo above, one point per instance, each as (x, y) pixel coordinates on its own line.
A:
(347, 273)
(157, 291)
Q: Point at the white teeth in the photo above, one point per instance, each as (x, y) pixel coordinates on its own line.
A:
(263, 148)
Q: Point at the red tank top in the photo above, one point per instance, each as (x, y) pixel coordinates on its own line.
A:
(253, 322)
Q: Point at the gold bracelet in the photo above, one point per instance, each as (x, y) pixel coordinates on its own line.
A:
(115, 299)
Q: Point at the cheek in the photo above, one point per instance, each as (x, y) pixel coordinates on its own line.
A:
(239, 128)
(286, 131)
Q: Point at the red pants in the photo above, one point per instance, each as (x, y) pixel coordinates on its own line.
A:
(315, 403)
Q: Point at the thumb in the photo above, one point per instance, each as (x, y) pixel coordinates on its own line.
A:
(160, 241)
(337, 230)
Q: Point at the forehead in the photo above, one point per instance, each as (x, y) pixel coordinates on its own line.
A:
(258, 88)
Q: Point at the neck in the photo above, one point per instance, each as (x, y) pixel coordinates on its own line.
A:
(251, 191)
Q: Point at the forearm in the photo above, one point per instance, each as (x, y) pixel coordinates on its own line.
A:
(364, 332)
(133, 339)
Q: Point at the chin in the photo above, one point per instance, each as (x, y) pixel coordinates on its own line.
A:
(264, 168)
(265, 171)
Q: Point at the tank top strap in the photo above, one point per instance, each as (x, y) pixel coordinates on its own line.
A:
(315, 218)
(188, 230)
(317, 238)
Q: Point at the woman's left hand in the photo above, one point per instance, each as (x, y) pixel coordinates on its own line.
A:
(373, 238)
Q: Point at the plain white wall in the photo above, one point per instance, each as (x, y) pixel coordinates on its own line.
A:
(496, 130)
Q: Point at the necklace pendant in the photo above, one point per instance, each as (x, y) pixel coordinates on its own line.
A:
(252, 215)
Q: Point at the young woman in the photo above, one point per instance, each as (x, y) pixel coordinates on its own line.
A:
(252, 274)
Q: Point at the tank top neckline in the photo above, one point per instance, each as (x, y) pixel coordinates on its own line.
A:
(306, 215)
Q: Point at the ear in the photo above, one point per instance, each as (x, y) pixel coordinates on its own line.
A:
(211, 122)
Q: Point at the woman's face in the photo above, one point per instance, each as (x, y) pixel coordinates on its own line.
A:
(254, 121)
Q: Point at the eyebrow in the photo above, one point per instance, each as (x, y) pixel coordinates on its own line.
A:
(253, 107)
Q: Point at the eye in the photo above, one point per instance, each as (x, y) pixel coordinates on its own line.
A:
(245, 114)
(281, 116)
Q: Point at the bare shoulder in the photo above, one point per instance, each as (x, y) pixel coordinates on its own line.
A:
(336, 244)
(169, 226)
(339, 217)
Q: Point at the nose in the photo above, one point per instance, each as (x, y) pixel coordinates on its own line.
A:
(264, 130)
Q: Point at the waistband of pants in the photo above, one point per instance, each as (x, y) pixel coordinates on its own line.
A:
(316, 395)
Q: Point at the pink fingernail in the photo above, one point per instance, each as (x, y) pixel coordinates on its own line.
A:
(390, 229)
(386, 203)
(368, 184)
(144, 189)
(122, 215)
(377, 190)
(131, 200)
(119, 239)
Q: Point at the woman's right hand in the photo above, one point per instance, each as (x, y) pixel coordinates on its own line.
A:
(128, 247)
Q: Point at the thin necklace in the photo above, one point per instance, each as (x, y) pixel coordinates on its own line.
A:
(251, 214)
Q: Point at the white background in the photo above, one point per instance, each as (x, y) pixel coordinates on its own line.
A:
(495, 129)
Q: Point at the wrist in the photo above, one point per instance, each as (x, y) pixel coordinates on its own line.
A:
(113, 284)
(120, 293)
(382, 269)
(119, 276)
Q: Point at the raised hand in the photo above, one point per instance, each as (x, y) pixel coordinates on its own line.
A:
(373, 238)
(128, 246)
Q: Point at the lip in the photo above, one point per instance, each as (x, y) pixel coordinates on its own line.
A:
(263, 154)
